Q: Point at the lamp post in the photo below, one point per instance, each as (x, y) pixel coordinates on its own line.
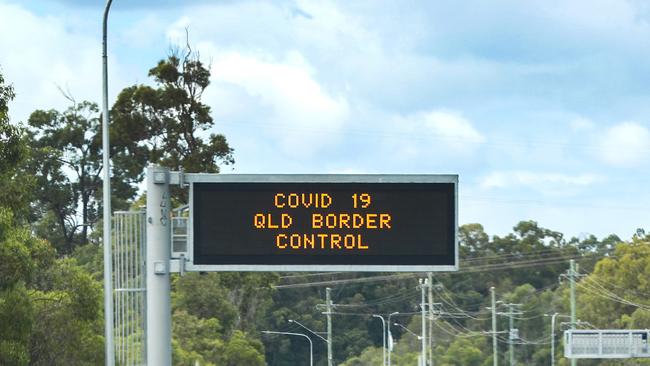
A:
(553, 334)
(108, 268)
(311, 345)
(390, 336)
(383, 327)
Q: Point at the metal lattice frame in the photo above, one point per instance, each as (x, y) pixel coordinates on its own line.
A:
(129, 240)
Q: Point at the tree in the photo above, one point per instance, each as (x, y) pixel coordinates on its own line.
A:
(67, 164)
(15, 184)
(49, 309)
(168, 124)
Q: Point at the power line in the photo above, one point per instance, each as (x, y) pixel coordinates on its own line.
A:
(476, 269)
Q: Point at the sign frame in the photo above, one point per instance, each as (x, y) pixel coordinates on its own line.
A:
(192, 178)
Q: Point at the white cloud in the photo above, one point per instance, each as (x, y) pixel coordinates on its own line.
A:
(434, 131)
(581, 124)
(625, 144)
(296, 101)
(453, 127)
(537, 181)
(40, 53)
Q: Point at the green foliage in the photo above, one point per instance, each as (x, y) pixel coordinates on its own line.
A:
(369, 357)
(16, 320)
(463, 352)
(168, 124)
(196, 339)
(66, 161)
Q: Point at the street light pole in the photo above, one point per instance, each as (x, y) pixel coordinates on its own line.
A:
(553, 339)
(311, 344)
(555, 315)
(108, 257)
(383, 327)
(390, 336)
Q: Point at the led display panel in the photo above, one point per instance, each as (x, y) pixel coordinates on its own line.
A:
(379, 223)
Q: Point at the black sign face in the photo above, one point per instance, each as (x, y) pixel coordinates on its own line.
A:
(370, 224)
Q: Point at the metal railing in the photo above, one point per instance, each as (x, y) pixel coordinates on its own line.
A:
(129, 240)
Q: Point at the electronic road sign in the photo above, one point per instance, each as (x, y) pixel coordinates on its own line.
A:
(323, 222)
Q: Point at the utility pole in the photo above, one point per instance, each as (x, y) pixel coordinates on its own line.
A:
(423, 285)
(430, 278)
(572, 279)
(494, 328)
(329, 326)
(511, 338)
(513, 333)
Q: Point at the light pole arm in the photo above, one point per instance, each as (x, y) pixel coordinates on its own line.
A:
(309, 330)
(311, 344)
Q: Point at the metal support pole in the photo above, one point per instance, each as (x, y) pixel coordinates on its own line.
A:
(390, 336)
(159, 337)
(572, 281)
(430, 278)
(383, 327)
(108, 256)
(553, 338)
(511, 338)
(494, 328)
(424, 323)
(329, 326)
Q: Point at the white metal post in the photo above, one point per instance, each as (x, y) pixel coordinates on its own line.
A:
(553, 338)
(106, 201)
(494, 327)
(383, 327)
(430, 295)
(572, 281)
(159, 337)
(330, 361)
(424, 323)
(390, 335)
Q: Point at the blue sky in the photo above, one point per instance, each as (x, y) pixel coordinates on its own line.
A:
(541, 107)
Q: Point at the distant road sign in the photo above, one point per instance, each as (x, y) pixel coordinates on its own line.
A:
(606, 343)
(323, 222)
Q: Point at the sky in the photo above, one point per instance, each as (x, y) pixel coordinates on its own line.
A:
(541, 107)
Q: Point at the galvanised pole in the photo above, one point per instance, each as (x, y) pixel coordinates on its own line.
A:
(572, 281)
(553, 338)
(159, 315)
(106, 201)
(383, 327)
(430, 278)
(329, 326)
(390, 336)
(494, 328)
(424, 321)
